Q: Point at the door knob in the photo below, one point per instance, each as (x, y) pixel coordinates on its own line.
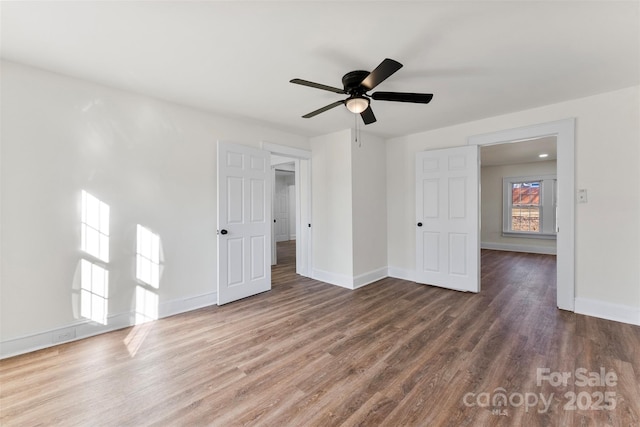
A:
(419, 224)
(223, 231)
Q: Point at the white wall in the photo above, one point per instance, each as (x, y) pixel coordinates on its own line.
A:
(607, 164)
(349, 209)
(369, 206)
(492, 205)
(304, 245)
(152, 162)
(331, 206)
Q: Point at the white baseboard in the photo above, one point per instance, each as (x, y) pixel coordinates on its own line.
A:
(589, 307)
(369, 277)
(402, 273)
(607, 310)
(350, 282)
(292, 237)
(170, 308)
(511, 247)
(341, 280)
(85, 329)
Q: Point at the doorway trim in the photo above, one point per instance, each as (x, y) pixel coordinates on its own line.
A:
(304, 265)
(564, 131)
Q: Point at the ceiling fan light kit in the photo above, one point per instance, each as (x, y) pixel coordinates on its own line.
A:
(358, 83)
(357, 104)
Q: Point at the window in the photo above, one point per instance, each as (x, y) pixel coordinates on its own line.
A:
(530, 206)
(525, 206)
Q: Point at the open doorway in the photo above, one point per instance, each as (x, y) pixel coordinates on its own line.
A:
(284, 211)
(289, 160)
(518, 214)
(519, 196)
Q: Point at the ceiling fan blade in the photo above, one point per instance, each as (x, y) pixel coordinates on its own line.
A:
(381, 73)
(367, 116)
(317, 85)
(323, 109)
(419, 98)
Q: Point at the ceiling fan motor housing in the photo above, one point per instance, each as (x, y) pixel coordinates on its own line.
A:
(351, 82)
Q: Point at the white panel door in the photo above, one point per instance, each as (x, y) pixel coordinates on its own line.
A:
(244, 222)
(292, 212)
(281, 210)
(447, 218)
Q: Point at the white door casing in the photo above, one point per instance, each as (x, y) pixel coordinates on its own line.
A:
(292, 212)
(274, 246)
(564, 131)
(244, 222)
(447, 218)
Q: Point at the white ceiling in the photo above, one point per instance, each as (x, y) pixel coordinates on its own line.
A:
(519, 152)
(479, 58)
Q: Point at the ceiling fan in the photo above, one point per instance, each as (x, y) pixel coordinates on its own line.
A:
(358, 83)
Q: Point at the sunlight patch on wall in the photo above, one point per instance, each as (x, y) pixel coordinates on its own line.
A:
(148, 257)
(94, 292)
(146, 305)
(94, 241)
(95, 227)
(148, 274)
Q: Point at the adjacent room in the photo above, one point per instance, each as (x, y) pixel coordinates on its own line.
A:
(307, 213)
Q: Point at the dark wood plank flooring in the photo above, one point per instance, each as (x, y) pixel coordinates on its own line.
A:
(394, 353)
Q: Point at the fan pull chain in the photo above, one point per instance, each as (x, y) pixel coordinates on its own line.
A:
(358, 140)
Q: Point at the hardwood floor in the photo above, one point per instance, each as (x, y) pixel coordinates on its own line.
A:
(287, 254)
(393, 353)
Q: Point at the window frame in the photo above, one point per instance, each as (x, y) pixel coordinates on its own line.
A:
(548, 206)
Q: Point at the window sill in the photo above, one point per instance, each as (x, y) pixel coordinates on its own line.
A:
(529, 235)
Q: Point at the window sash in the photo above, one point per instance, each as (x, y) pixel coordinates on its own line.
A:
(529, 206)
